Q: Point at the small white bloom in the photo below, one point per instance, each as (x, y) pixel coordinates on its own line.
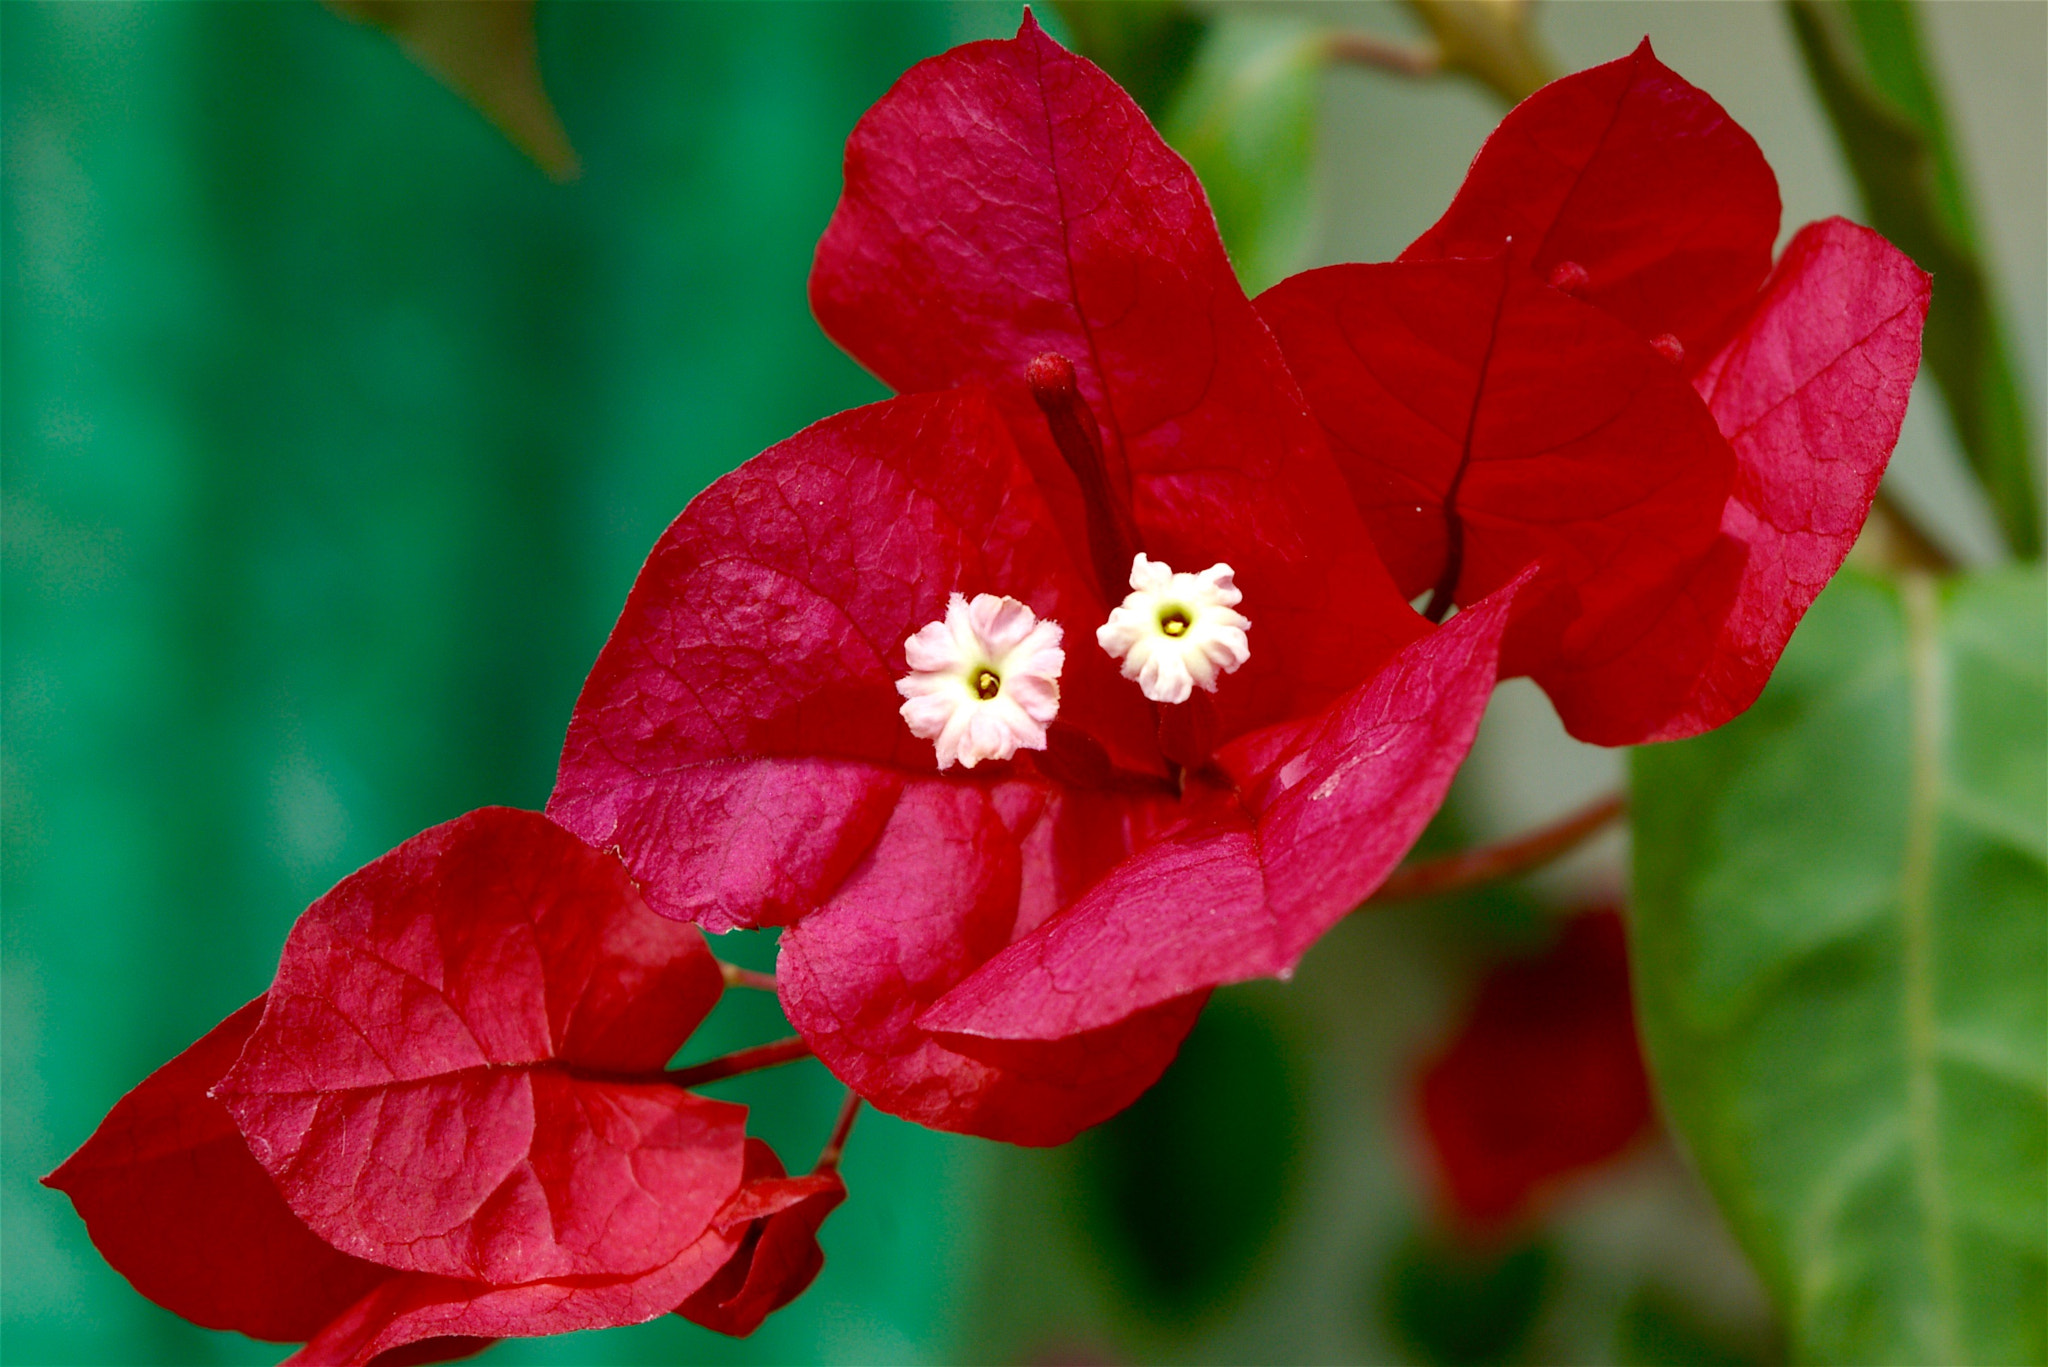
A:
(1175, 631)
(983, 683)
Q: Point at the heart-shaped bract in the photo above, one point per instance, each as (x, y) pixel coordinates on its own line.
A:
(458, 1069)
(175, 1204)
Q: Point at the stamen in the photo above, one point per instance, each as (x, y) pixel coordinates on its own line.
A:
(1174, 622)
(1112, 534)
(987, 684)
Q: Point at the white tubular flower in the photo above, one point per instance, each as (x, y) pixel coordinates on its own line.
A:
(1175, 631)
(983, 683)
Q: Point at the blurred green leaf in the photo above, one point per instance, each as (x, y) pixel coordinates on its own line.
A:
(485, 51)
(1658, 1328)
(1245, 120)
(1840, 936)
(1189, 1185)
(1868, 65)
(1145, 45)
(1460, 1307)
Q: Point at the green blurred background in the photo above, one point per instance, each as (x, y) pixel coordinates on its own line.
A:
(333, 436)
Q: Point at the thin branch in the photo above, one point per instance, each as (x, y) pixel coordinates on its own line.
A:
(744, 1061)
(735, 976)
(1491, 863)
(828, 1159)
(1365, 49)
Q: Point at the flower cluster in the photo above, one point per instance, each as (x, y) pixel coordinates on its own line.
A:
(883, 687)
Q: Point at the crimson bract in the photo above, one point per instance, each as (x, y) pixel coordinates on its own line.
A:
(1035, 703)
(1542, 1081)
(1589, 362)
(445, 1121)
(1004, 910)
(1016, 948)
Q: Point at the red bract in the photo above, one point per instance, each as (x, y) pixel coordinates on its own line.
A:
(1016, 949)
(455, 1087)
(443, 1078)
(1583, 364)
(1543, 1079)
(776, 1217)
(174, 1202)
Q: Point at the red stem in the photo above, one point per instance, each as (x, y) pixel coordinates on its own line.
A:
(1365, 49)
(743, 1061)
(1491, 863)
(828, 1158)
(735, 976)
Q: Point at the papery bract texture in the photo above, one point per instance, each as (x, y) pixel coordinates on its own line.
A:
(776, 1217)
(1007, 199)
(1543, 1079)
(457, 1070)
(1575, 367)
(176, 1204)
(739, 739)
(1638, 179)
(418, 1308)
(1015, 235)
(1488, 422)
(1325, 810)
(766, 633)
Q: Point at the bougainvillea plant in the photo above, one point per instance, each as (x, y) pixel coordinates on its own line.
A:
(1034, 704)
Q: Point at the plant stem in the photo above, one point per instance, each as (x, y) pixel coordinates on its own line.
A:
(1365, 49)
(828, 1158)
(743, 1061)
(1491, 863)
(735, 976)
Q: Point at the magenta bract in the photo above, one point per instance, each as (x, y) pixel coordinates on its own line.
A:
(1015, 238)
(1583, 366)
(445, 1123)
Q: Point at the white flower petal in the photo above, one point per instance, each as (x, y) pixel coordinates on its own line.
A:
(988, 640)
(1209, 643)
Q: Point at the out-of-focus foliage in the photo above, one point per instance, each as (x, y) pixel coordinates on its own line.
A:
(1495, 42)
(1236, 93)
(1467, 1307)
(332, 435)
(1871, 73)
(485, 50)
(1245, 120)
(1187, 1193)
(1839, 943)
(1147, 46)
